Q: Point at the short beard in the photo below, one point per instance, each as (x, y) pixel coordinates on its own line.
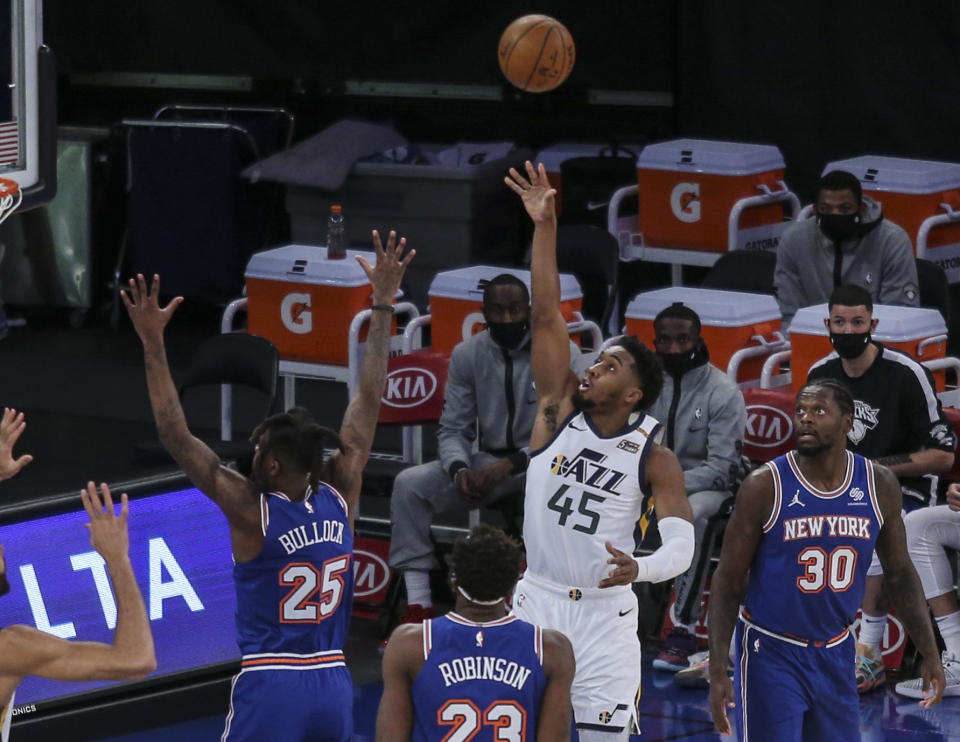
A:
(811, 451)
(581, 403)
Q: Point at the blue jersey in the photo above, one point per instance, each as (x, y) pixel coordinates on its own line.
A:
(809, 572)
(294, 599)
(479, 681)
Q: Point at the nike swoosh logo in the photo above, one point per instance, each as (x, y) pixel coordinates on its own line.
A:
(575, 427)
(624, 613)
(594, 205)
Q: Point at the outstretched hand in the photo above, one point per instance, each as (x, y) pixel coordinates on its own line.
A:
(108, 532)
(934, 682)
(625, 568)
(387, 274)
(143, 305)
(539, 198)
(12, 426)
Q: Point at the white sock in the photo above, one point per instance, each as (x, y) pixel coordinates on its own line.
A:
(417, 582)
(949, 626)
(871, 631)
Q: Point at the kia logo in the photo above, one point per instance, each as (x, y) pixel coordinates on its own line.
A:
(409, 387)
(768, 427)
(370, 573)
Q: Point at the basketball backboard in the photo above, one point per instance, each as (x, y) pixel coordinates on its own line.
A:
(27, 108)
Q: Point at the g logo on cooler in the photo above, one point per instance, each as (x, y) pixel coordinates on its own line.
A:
(685, 202)
(295, 313)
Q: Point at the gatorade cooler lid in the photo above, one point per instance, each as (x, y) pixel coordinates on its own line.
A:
(465, 283)
(555, 154)
(309, 264)
(715, 308)
(894, 323)
(900, 175)
(704, 156)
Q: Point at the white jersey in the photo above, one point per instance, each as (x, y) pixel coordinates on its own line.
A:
(6, 713)
(584, 489)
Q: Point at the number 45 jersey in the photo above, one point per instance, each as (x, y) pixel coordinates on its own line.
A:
(584, 489)
(295, 597)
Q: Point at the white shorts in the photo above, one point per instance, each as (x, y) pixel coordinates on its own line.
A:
(601, 624)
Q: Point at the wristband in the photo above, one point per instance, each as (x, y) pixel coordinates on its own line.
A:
(455, 468)
(518, 461)
(384, 308)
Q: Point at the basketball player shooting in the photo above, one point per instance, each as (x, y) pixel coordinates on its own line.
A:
(796, 553)
(477, 670)
(596, 469)
(291, 526)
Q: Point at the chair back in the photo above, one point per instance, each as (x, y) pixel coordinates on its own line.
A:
(592, 255)
(934, 287)
(743, 270)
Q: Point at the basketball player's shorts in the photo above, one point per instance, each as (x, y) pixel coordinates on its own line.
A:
(601, 624)
(314, 705)
(788, 693)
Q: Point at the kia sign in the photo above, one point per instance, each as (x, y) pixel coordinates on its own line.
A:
(768, 427)
(370, 574)
(409, 387)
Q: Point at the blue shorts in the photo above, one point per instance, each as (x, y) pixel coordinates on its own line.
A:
(295, 705)
(788, 693)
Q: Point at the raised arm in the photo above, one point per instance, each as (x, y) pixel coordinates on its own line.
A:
(27, 651)
(234, 493)
(903, 586)
(550, 343)
(729, 584)
(360, 419)
(12, 426)
(553, 723)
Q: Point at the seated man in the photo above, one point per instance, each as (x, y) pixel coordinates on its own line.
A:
(490, 387)
(848, 241)
(704, 416)
(898, 422)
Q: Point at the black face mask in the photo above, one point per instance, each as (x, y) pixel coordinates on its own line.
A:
(839, 227)
(507, 334)
(849, 345)
(677, 364)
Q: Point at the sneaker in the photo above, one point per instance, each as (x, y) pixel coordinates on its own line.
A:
(871, 673)
(951, 671)
(414, 614)
(697, 675)
(675, 656)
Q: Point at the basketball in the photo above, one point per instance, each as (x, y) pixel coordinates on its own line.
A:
(536, 53)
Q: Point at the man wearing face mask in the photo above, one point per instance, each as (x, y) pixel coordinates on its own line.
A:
(489, 391)
(847, 241)
(704, 417)
(898, 422)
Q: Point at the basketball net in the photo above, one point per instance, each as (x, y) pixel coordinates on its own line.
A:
(10, 197)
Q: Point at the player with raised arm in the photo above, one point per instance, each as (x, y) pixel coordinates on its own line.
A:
(291, 526)
(796, 553)
(25, 650)
(477, 673)
(596, 469)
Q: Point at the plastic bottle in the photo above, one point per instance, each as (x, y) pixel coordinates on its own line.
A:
(336, 234)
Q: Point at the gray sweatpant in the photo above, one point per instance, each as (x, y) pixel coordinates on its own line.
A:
(689, 585)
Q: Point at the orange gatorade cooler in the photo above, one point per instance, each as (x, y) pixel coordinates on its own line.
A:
(304, 303)
(689, 186)
(912, 191)
(729, 321)
(555, 155)
(456, 302)
(920, 332)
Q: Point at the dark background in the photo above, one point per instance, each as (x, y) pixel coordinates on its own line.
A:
(821, 80)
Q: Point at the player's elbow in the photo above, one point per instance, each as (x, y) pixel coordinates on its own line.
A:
(134, 665)
(941, 461)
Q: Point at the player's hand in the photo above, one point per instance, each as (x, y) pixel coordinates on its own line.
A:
(721, 699)
(387, 274)
(625, 568)
(467, 483)
(539, 198)
(108, 532)
(953, 496)
(931, 670)
(143, 305)
(12, 426)
(493, 474)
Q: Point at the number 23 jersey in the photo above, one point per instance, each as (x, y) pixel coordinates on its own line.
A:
(584, 489)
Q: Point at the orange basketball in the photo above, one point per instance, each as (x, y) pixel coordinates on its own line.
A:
(536, 53)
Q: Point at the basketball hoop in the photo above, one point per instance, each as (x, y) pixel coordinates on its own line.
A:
(10, 197)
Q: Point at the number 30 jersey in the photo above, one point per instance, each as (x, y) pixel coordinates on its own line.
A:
(584, 489)
(294, 599)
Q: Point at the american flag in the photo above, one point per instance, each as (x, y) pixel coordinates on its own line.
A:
(9, 142)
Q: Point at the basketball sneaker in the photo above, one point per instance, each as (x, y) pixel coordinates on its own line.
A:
(678, 647)
(414, 614)
(871, 673)
(951, 671)
(697, 675)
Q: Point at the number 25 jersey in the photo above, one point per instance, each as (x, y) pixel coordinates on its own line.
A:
(584, 489)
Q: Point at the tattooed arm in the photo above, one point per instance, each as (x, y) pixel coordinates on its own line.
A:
(550, 352)
(902, 583)
(360, 419)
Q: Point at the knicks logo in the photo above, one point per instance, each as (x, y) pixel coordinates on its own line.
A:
(295, 313)
(685, 202)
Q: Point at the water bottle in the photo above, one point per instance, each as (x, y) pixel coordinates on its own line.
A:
(336, 237)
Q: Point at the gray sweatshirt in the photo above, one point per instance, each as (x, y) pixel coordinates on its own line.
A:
(881, 261)
(705, 417)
